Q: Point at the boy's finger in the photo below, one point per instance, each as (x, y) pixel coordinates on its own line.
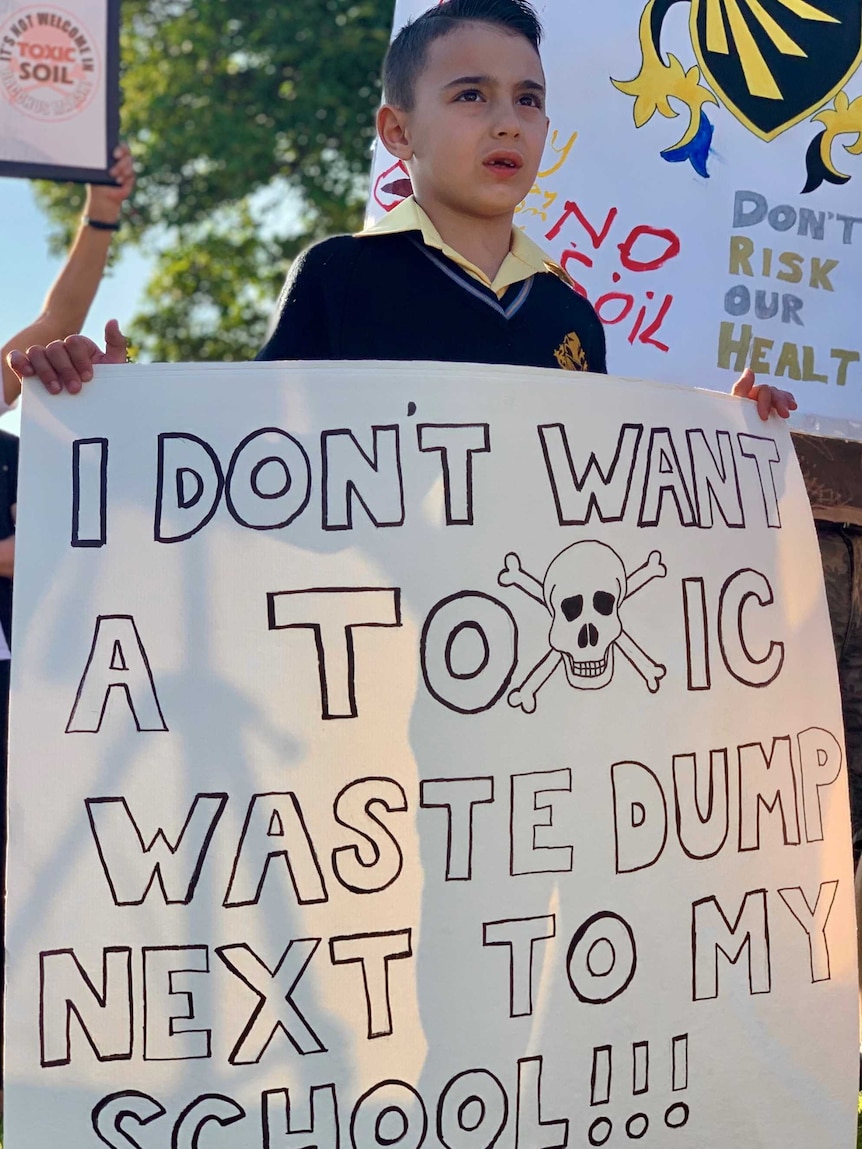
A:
(43, 370)
(81, 351)
(764, 402)
(116, 344)
(64, 368)
(744, 384)
(784, 402)
(20, 364)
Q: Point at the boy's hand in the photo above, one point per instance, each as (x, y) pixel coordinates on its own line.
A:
(69, 362)
(768, 399)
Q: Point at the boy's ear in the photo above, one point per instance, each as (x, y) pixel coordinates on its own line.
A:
(392, 128)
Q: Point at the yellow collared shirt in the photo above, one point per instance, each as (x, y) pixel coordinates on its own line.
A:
(525, 258)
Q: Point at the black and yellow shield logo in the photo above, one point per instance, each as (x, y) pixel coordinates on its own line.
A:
(775, 62)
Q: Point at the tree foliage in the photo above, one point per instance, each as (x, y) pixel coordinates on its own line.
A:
(251, 125)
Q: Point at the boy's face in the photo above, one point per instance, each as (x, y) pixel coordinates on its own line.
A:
(474, 138)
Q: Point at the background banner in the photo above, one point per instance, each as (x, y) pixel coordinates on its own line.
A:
(422, 754)
(59, 89)
(701, 185)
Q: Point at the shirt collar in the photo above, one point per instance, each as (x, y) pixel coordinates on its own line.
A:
(524, 259)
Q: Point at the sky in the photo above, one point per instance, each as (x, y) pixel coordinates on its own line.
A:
(29, 272)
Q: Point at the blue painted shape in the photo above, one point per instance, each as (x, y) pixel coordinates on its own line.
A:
(696, 151)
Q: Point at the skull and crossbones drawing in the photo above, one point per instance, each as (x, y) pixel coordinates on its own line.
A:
(583, 590)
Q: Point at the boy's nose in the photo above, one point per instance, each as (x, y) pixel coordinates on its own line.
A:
(507, 126)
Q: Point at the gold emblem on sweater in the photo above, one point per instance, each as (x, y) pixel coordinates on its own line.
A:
(570, 355)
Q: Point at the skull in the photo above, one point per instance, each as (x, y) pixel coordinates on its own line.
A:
(583, 589)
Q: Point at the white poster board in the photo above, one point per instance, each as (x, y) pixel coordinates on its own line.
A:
(59, 88)
(348, 795)
(705, 258)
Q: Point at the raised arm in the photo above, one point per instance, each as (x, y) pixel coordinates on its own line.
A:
(69, 299)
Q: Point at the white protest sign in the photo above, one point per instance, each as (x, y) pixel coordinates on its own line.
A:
(414, 754)
(59, 88)
(692, 233)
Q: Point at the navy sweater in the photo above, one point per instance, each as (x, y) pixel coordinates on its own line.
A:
(391, 297)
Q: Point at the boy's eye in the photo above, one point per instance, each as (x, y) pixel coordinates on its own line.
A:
(531, 100)
(470, 96)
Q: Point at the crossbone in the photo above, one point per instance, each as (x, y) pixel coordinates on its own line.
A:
(514, 575)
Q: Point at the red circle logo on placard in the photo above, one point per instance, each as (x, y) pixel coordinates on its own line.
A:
(49, 65)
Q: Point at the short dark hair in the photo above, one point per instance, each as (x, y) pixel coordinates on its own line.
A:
(408, 51)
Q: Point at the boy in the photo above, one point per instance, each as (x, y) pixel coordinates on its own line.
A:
(465, 111)
(445, 276)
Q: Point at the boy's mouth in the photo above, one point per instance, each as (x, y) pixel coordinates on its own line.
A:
(504, 161)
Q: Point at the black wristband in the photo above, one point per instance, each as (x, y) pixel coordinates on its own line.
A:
(100, 224)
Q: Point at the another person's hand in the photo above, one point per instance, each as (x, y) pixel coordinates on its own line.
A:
(105, 200)
(68, 363)
(768, 399)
